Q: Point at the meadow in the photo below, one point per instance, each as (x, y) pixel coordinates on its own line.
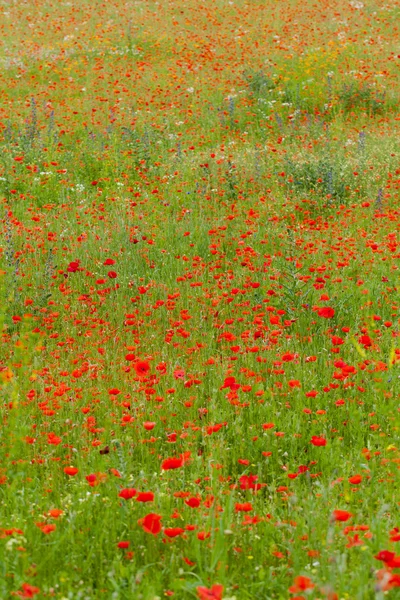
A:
(199, 300)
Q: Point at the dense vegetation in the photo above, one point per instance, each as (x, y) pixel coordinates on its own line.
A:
(199, 361)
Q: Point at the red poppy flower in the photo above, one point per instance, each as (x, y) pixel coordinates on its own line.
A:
(302, 469)
(127, 493)
(394, 563)
(293, 383)
(114, 391)
(71, 471)
(395, 534)
(318, 441)
(341, 515)
(365, 341)
(230, 382)
(73, 266)
(27, 591)
(172, 532)
(355, 479)
(91, 479)
(192, 502)
(46, 528)
(245, 507)
(268, 425)
(385, 556)
(248, 482)
(142, 367)
(145, 497)
(326, 312)
(55, 513)
(151, 523)
(173, 463)
(179, 373)
(149, 425)
(301, 584)
(214, 593)
(123, 545)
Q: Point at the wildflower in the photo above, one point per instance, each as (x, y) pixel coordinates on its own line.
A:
(27, 591)
(127, 493)
(151, 523)
(301, 584)
(214, 593)
(389, 558)
(294, 383)
(91, 479)
(192, 502)
(46, 528)
(175, 462)
(55, 513)
(248, 482)
(387, 580)
(245, 507)
(114, 391)
(71, 471)
(172, 532)
(326, 312)
(171, 463)
(145, 497)
(395, 534)
(179, 373)
(318, 441)
(149, 425)
(341, 515)
(142, 367)
(365, 341)
(355, 479)
(73, 266)
(230, 382)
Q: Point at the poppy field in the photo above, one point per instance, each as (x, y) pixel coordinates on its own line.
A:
(199, 300)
